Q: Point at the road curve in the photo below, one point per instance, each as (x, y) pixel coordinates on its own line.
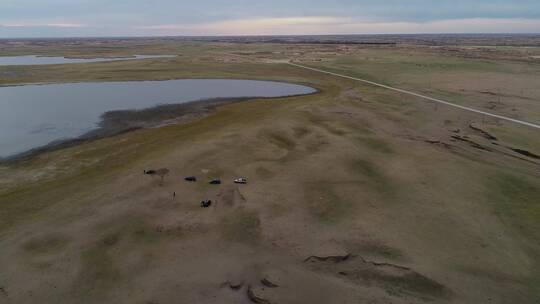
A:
(529, 124)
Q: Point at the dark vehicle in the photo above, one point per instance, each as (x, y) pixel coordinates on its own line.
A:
(149, 172)
(190, 179)
(206, 203)
(240, 180)
(215, 182)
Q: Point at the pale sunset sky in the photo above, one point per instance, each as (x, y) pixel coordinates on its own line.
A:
(71, 18)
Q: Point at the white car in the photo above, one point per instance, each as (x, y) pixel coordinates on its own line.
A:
(241, 180)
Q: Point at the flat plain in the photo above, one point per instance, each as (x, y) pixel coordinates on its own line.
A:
(356, 194)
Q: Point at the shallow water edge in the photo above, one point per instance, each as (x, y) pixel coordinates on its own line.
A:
(115, 123)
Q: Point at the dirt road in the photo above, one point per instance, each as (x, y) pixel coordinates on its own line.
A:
(529, 124)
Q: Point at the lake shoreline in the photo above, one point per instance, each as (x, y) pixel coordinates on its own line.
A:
(101, 109)
(114, 123)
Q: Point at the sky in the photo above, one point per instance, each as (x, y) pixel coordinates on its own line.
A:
(77, 18)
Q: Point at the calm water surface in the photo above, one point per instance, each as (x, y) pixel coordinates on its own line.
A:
(35, 115)
(40, 60)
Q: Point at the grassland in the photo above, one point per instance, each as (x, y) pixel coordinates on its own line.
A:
(426, 207)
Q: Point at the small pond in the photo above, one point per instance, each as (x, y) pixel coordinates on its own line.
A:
(44, 60)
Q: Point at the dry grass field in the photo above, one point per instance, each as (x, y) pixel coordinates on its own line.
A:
(356, 194)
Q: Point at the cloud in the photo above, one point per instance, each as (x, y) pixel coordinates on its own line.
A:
(246, 26)
(42, 24)
(243, 17)
(301, 25)
(335, 25)
(470, 25)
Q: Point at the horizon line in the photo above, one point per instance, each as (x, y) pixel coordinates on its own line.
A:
(262, 35)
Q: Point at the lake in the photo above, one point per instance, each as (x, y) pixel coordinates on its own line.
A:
(32, 116)
(43, 60)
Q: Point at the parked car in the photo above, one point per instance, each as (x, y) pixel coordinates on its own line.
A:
(206, 204)
(190, 179)
(241, 180)
(215, 182)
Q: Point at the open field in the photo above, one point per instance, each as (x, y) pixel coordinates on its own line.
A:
(356, 194)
